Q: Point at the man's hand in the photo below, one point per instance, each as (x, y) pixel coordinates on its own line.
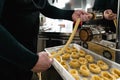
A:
(43, 63)
(109, 15)
(84, 16)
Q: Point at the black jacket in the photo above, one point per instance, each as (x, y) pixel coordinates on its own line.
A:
(101, 5)
(21, 19)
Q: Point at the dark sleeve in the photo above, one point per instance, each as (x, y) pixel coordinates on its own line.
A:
(45, 8)
(13, 52)
(101, 5)
(1, 7)
(56, 13)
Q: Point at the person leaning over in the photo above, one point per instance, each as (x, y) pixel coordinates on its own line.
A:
(19, 23)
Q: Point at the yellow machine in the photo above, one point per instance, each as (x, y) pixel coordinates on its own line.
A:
(101, 50)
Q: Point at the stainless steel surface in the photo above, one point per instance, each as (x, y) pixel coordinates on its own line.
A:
(118, 33)
(98, 15)
(118, 25)
(106, 43)
(57, 36)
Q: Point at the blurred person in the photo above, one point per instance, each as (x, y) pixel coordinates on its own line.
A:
(19, 25)
(110, 15)
(109, 10)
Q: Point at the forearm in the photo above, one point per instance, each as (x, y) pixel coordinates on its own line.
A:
(14, 52)
(48, 10)
(56, 13)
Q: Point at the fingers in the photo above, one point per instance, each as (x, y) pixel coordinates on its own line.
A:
(45, 54)
(84, 16)
(45, 60)
(43, 63)
(109, 15)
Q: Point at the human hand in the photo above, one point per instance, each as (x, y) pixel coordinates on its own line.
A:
(43, 63)
(109, 15)
(84, 16)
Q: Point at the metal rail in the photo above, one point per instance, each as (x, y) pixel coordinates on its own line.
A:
(118, 34)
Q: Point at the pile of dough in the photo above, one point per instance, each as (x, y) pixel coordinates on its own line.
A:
(74, 63)
(89, 58)
(102, 65)
(64, 64)
(74, 49)
(59, 49)
(74, 73)
(68, 50)
(82, 53)
(83, 61)
(96, 77)
(94, 68)
(66, 56)
(76, 77)
(58, 58)
(75, 55)
(107, 76)
(52, 53)
(84, 79)
(84, 71)
(115, 72)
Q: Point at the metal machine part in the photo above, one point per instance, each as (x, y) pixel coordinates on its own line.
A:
(96, 33)
(104, 48)
(91, 32)
(97, 15)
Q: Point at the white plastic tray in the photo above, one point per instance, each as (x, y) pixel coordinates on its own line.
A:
(65, 74)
